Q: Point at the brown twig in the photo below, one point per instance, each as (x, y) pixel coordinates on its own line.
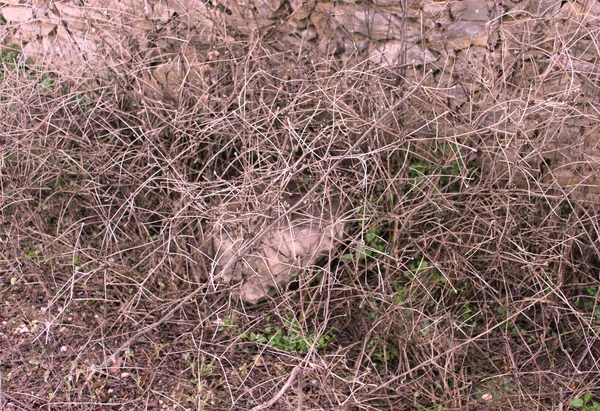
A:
(297, 369)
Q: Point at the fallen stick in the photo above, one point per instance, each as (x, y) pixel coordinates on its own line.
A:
(297, 369)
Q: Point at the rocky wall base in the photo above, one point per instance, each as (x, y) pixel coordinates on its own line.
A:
(515, 81)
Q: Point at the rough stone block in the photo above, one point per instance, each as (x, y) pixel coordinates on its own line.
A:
(394, 52)
(374, 23)
(38, 29)
(17, 14)
(295, 243)
(460, 35)
(472, 11)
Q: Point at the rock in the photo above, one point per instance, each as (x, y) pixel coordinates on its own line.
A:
(295, 243)
(38, 29)
(418, 56)
(543, 7)
(434, 13)
(356, 45)
(472, 11)
(253, 13)
(17, 14)
(590, 6)
(385, 3)
(268, 8)
(389, 53)
(373, 23)
(460, 35)
(301, 9)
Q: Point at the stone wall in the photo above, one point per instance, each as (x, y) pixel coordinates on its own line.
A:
(516, 79)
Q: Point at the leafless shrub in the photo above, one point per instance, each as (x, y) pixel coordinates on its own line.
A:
(469, 273)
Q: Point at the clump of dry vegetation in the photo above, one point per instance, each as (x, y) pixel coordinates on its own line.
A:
(462, 284)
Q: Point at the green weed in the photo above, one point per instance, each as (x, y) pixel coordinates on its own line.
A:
(565, 208)
(416, 269)
(9, 61)
(418, 266)
(291, 337)
(8, 58)
(585, 403)
(225, 323)
(379, 352)
(373, 245)
(424, 171)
